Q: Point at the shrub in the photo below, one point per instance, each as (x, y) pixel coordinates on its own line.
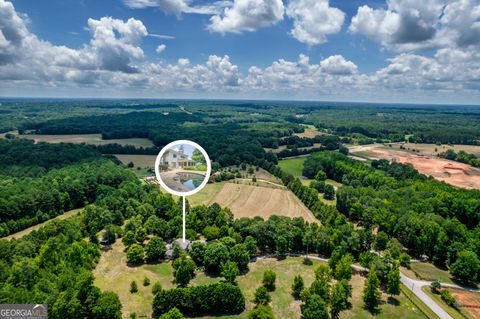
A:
(448, 298)
(133, 287)
(269, 278)
(146, 281)
(156, 288)
(261, 296)
(135, 254)
(261, 312)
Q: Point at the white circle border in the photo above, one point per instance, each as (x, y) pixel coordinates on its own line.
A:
(207, 175)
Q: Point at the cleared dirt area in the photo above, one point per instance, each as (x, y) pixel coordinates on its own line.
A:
(137, 160)
(250, 201)
(431, 149)
(94, 139)
(453, 173)
(469, 301)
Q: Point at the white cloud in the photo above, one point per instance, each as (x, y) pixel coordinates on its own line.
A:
(420, 25)
(160, 48)
(336, 64)
(247, 15)
(313, 20)
(176, 7)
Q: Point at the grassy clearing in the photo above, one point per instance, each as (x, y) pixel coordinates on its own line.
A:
(206, 195)
(95, 139)
(292, 166)
(28, 230)
(428, 313)
(137, 160)
(428, 272)
(456, 314)
(400, 308)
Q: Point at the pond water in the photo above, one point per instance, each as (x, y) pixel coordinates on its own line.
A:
(191, 181)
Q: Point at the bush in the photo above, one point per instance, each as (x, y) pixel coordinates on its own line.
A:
(218, 298)
(405, 260)
(133, 287)
(261, 312)
(156, 288)
(146, 281)
(261, 296)
(448, 298)
(155, 249)
(297, 286)
(269, 278)
(435, 286)
(174, 313)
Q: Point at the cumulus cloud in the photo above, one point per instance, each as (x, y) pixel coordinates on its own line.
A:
(407, 25)
(336, 64)
(176, 7)
(313, 20)
(160, 48)
(247, 15)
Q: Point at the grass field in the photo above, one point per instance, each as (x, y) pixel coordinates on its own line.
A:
(28, 230)
(112, 274)
(137, 160)
(428, 272)
(95, 139)
(249, 201)
(292, 166)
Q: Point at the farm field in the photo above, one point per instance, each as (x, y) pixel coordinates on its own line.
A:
(249, 201)
(113, 274)
(292, 166)
(28, 230)
(310, 132)
(453, 173)
(137, 160)
(94, 139)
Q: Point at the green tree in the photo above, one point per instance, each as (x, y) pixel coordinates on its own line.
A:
(184, 270)
(321, 176)
(133, 287)
(404, 260)
(215, 255)
(261, 312)
(281, 247)
(156, 288)
(268, 280)
(344, 268)
(146, 281)
(261, 296)
(239, 254)
(129, 238)
(435, 286)
(329, 192)
(197, 252)
(314, 308)
(297, 286)
(229, 271)
(108, 306)
(198, 157)
(155, 249)
(251, 245)
(381, 241)
(371, 293)
(393, 281)
(135, 254)
(339, 299)
(466, 268)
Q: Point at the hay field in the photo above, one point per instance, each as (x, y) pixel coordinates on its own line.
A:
(95, 139)
(250, 201)
(137, 160)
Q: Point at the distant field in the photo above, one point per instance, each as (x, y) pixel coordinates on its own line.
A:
(454, 173)
(292, 166)
(28, 230)
(95, 139)
(137, 160)
(310, 132)
(250, 201)
(432, 149)
(113, 274)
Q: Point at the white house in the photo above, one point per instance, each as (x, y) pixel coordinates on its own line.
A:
(176, 158)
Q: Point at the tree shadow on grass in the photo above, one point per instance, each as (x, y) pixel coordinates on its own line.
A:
(393, 301)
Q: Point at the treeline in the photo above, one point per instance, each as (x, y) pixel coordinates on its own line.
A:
(116, 148)
(53, 266)
(428, 217)
(462, 157)
(21, 157)
(27, 201)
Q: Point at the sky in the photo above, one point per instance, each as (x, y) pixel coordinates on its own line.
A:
(360, 50)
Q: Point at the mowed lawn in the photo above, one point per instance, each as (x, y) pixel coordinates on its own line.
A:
(137, 160)
(428, 272)
(113, 274)
(292, 166)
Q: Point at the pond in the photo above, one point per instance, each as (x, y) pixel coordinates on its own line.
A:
(191, 181)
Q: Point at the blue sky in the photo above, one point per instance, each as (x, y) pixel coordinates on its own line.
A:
(395, 50)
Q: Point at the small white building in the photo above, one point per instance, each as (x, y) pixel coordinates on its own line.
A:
(176, 158)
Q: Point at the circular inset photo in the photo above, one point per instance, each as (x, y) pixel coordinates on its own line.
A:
(183, 168)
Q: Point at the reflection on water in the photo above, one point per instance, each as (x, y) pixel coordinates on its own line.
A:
(191, 181)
